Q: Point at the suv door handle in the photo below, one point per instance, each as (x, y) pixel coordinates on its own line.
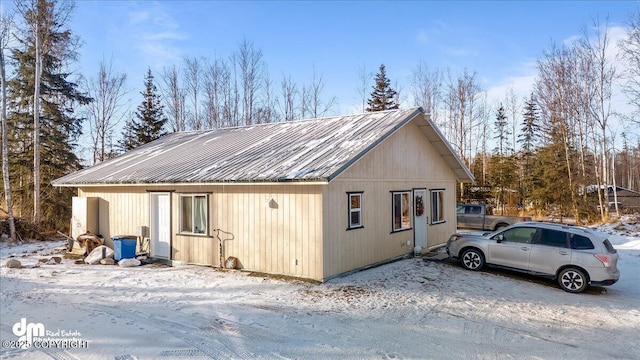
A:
(563, 252)
(524, 248)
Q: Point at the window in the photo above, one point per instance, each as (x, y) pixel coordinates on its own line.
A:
(193, 214)
(580, 242)
(401, 207)
(552, 238)
(437, 206)
(522, 235)
(355, 210)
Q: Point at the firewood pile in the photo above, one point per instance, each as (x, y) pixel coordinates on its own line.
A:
(88, 241)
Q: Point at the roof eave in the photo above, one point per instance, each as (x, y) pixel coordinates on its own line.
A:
(199, 183)
(461, 171)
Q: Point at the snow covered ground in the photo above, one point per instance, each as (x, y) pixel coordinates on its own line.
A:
(410, 309)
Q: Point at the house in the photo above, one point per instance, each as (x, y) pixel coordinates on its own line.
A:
(627, 199)
(311, 199)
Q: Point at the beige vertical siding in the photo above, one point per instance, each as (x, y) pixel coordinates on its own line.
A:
(283, 239)
(121, 210)
(404, 161)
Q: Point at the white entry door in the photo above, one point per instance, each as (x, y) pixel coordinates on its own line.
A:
(421, 219)
(160, 225)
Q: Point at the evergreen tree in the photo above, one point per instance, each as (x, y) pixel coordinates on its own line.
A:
(528, 140)
(530, 131)
(59, 125)
(503, 167)
(149, 121)
(383, 97)
(550, 183)
(502, 132)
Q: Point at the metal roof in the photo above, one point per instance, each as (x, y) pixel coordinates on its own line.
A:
(305, 150)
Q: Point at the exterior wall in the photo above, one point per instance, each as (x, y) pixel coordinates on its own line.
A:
(404, 161)
(276, 229)
(630, 200)
(120, 210)
(270, 228)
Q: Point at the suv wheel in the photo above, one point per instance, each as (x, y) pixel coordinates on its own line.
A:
(472, 259)
(573, 280)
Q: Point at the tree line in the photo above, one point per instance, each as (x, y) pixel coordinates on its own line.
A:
(556, 150)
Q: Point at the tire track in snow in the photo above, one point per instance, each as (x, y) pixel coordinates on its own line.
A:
(199, 339)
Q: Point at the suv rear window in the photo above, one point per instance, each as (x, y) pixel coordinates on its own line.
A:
(580, 242)
(609, 247)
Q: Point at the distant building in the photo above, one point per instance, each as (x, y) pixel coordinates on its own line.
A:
(628, 200)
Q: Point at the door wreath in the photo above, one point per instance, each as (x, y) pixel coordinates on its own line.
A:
(419, 206)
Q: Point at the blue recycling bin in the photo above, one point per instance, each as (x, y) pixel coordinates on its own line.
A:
(124, 247)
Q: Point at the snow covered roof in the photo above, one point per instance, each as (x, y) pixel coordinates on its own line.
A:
(305, 150)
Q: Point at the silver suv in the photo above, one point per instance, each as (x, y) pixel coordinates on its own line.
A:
(577, 257)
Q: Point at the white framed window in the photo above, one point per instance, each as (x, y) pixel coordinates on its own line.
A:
(401, 210)
(194, 214)
(437, 206)
(355, 210)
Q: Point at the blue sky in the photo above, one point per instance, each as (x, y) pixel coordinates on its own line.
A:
(500, 40)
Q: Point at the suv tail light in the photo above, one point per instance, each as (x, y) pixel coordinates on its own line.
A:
(604, 259)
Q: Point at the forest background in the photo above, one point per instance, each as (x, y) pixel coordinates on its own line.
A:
(554, 150)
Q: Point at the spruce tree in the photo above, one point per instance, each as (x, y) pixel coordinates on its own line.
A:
(58, 122)
(383, 97)
(502, 132)
(528, 140)
(149, 121)
(530, 130)
(503, 168)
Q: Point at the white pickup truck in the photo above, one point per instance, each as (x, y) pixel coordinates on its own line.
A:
(480, 217)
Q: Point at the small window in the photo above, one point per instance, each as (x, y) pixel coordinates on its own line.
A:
(580, 242)
(355, 210)
(437, 206)
(401, 211)
(193, 214)
(552, 238)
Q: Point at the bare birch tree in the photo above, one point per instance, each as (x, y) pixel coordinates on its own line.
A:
(364, 81)
(631, 53)
(6, 25)
(106, 110)
(193, 81)
(288, 94)
(461, 105)
(462, 116)
(249, 59)
(267, 110)
(174, 98)
(601, 79)
(317, 107)
(513, 107)
(212, 94)
(426, 88)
